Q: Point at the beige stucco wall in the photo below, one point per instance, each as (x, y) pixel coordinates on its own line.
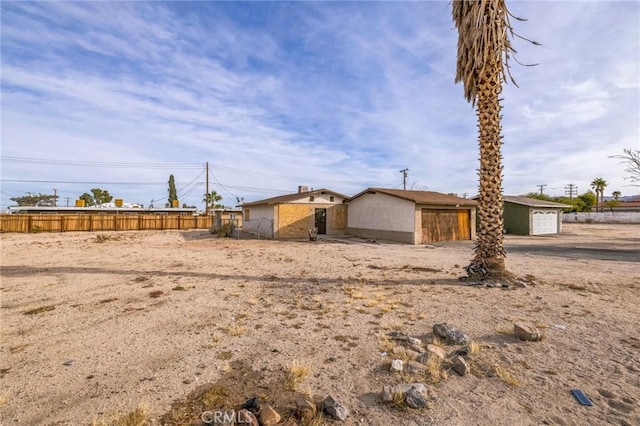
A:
(382, 212)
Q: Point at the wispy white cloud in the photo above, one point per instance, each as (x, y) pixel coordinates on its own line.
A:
(342, 95)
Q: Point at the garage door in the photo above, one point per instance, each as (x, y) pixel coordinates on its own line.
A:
(445, 225)
(544, 222)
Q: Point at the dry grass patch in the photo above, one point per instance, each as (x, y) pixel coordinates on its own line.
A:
(505, 375)
(435, 373)
(235, 330)
(138, 417)
(296, 373)
(102, 238)
(216, 396)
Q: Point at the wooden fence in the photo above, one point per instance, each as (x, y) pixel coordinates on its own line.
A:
(100, 222)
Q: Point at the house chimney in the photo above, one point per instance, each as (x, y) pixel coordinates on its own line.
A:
(302, 188)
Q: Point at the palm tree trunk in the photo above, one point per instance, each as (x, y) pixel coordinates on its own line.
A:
(489, 259)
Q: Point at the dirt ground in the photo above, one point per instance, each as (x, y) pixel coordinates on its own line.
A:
(97, 325)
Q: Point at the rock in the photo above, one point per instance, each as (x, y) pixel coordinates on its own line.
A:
(269, 416)
(414, 367)
(452, 335)
(434, 350)
(335, 408)
(246, 417)
(460, 366)
(414, 399)
(305, 410)
(396, 365)
(412, 342)
(252, 404)
(403, 388)
(527, 331)
(386, 395)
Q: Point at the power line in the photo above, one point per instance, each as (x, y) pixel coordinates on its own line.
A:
(83, 183)
(100, 163)
(219, 168)
(222, 186)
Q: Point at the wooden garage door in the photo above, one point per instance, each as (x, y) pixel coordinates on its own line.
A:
(445, 225)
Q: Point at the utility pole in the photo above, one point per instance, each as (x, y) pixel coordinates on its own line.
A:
(571, 190)
(541, 188)
(464, 195)
(67, 198)
(206, 197)
(55, 197)
(404, 177)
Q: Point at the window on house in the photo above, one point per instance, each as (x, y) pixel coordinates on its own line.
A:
(311, 198)
(331, 198)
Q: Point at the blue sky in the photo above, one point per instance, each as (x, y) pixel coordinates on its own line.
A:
(340, 95)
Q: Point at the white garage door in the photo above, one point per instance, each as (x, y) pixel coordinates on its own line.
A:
(545, 222)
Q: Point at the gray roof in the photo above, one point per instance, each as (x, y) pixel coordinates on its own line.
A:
(292, 197)
(532, 202)
(420, 197)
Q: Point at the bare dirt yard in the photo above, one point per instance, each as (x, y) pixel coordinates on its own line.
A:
(164, 326)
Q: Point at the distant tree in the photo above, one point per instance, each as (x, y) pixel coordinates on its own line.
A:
(173, 194)
(211, 199)
(538, 196)
(586, 201)
(98, 196)
(616, 195)
(598, 185)
(631, 158)
(185, 206)
(36, 200)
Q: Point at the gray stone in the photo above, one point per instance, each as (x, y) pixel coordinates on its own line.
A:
(335, 408)
(452, 335)
(460, 366)
(403, 388)
(414, 399)
(527, 331)
(396, 365)
(414, 367)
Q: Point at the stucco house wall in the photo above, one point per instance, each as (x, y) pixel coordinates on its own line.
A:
(380, 216)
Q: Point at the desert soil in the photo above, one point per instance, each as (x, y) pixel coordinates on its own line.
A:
(97, 325)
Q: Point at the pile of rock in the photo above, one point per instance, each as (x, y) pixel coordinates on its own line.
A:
(253, 413)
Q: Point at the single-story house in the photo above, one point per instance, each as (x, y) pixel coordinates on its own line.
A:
(412, 217)
(224, 216)
(292, 216)
(529, 216)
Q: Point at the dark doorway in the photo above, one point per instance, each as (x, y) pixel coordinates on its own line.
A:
(321, 221)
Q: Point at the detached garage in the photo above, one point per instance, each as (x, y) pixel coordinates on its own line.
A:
(413, 217)
(528, 216)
